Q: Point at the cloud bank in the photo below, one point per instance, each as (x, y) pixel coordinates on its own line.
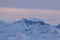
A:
(50, 15)
(22, 10)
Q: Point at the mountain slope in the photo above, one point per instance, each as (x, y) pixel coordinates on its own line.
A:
(29, 29)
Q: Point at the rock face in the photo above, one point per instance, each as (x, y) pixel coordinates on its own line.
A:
(58, 26)
(32, 29)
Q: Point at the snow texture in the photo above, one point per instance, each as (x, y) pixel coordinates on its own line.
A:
(29, 29)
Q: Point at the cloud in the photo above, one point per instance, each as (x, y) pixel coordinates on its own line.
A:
(50, 15)
(22, 10)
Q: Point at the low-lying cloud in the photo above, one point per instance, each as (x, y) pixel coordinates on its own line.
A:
(22, 10)
(50, 15)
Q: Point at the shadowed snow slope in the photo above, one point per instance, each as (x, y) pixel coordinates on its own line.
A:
(28, 29)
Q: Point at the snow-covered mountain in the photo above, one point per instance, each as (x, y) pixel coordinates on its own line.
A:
(28, 29)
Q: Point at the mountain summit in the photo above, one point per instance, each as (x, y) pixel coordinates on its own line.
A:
(29, 28)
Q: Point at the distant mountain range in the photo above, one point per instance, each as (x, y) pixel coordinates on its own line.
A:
(30, 29)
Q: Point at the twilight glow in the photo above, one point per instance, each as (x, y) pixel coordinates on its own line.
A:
(10, 14)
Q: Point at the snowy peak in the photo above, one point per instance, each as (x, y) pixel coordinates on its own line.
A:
(32, 21)
(58, 26)
(33, 28)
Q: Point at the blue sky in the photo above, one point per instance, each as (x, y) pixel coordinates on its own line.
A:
(40, 4)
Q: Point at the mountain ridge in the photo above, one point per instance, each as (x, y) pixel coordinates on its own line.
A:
(31, 28)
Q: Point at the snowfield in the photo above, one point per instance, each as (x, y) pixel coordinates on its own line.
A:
(29, 29)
